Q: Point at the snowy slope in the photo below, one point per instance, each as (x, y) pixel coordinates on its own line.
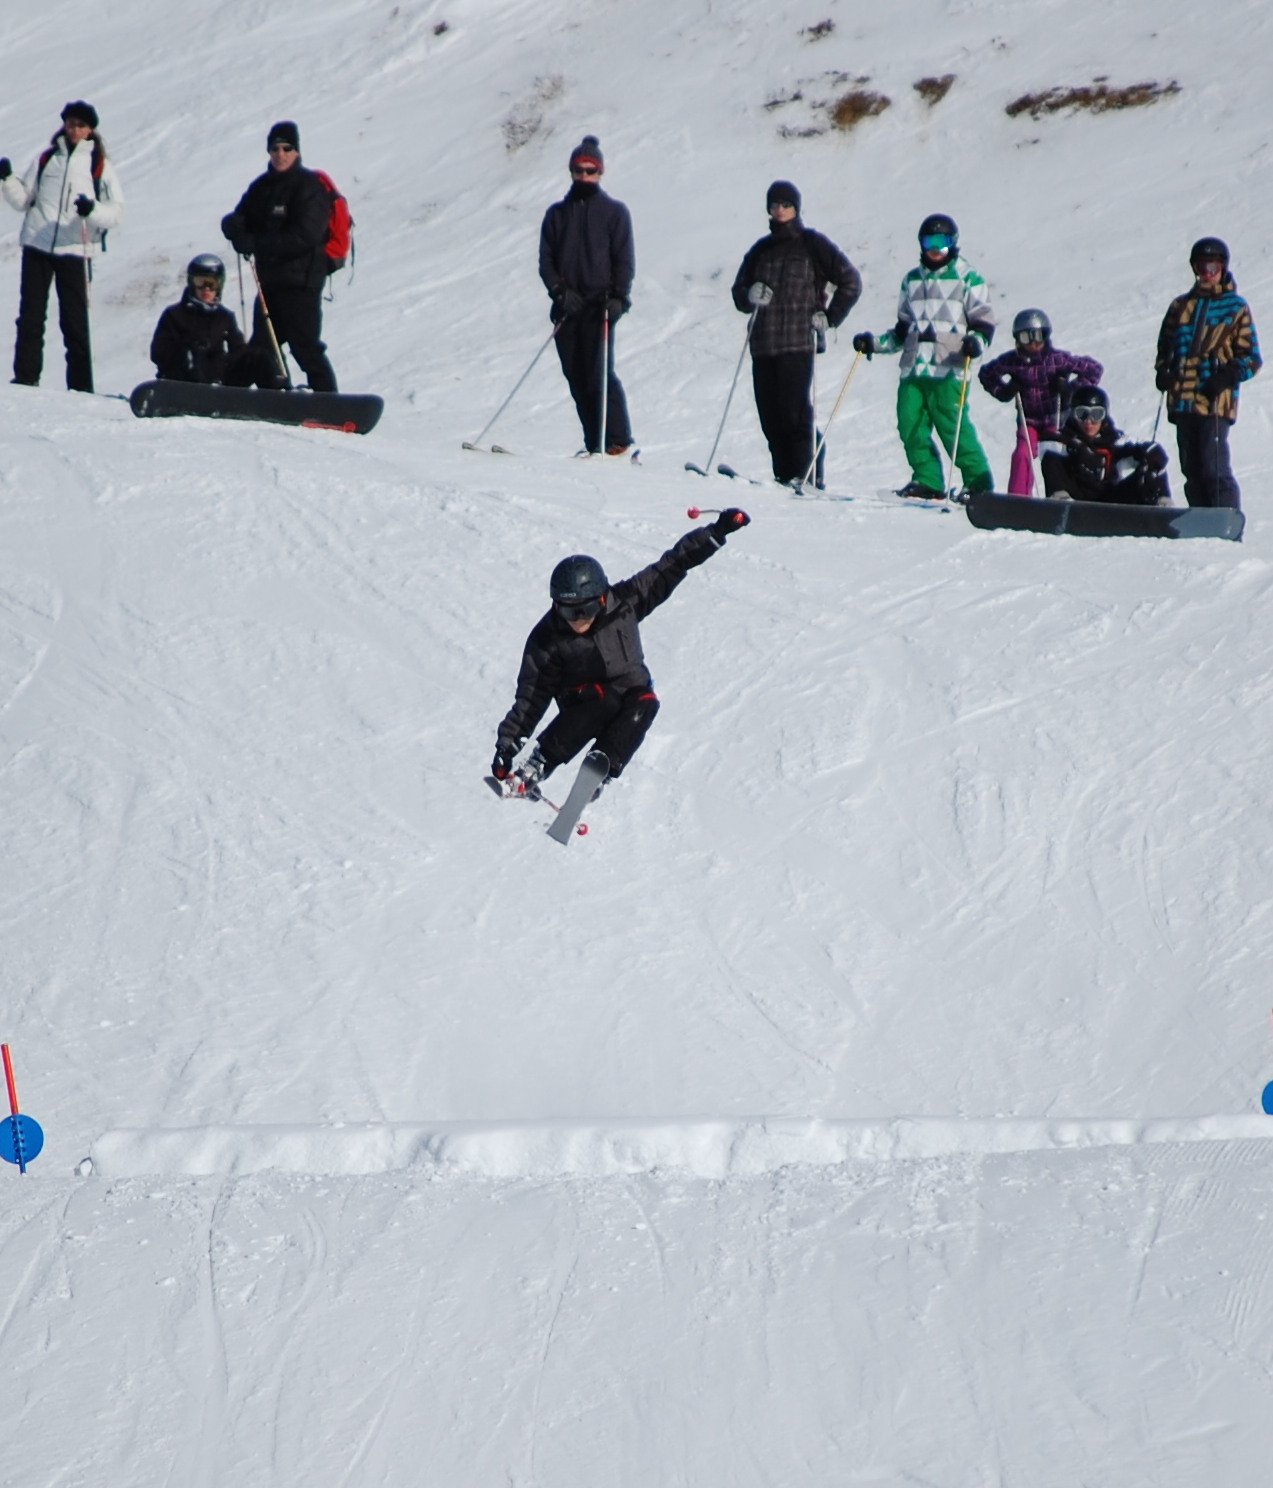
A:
(870, 1097)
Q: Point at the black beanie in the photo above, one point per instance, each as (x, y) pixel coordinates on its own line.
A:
(589, 151)
(782, 191)
(80, 110)
(283, 133)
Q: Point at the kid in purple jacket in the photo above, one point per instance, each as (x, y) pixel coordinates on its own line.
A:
(1045, 379)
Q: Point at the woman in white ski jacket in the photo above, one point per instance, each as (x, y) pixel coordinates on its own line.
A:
(69, 197)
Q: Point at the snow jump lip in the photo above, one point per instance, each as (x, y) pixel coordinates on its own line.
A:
(711, 1149)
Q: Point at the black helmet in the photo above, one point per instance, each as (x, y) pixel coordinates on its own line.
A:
(939, 225)
(206, 266)
(1087, 396)
(578, 587)
(1209, 248)
(1031, 320)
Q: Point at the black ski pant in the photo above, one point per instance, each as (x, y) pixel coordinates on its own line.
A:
(783, 385)
(1202, 442)
(297, 316)
(618, 721)
(579, 351)
(70, 272)
(1143, 487)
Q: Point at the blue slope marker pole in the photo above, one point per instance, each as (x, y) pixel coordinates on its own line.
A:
(21, 1138)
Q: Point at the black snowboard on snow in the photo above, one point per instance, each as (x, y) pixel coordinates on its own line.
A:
(351, 413)
(1102, 518)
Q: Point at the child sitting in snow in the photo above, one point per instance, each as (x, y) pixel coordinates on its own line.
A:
(1096, 464)
(1045, 378)
(199, 340)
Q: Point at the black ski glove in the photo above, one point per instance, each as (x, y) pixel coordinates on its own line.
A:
(1226, 375)
(505, 754)
(6, 168)
(84, 205)
(568, 302)
(729, 521)
(1006, 388)
(1162, 379)
(1156, 458)
(617, 306)
(971, 346)
(865, 343)
(1062, 384)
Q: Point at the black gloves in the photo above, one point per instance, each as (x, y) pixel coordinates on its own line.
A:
(1006, 387)
(84, 205)
(1062, 383)
(568, 302)
(759, 295)
(1156, 458)
(865, 343)
(971, 346)
(729, 521)
(1226, 375)
(6, 168)
(616, 306)
(234, 227)
(1162, 379)
(505, 754)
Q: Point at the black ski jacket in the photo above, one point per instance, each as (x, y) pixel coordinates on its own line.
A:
(585, 243)
(559, 665)
(284, 216)
(192, 343)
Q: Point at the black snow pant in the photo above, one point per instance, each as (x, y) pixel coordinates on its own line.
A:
(1143, 487)
(783, 385)
(297, 316)
(579, 350)
(1202, 442)
(618, 721)
(70, 271)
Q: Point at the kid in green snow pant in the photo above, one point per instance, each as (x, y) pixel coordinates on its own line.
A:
(928, 404)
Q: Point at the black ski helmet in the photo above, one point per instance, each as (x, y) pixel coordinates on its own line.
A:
(1032, 320)
(578, 580)
(1087, 396)
(206, 266)
(1209, 248)
(938, 224)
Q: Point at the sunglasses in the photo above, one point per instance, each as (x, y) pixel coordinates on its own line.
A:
(937, 243)
(1090, 413)
(587, 609)
(1025, 338)
(282, 149)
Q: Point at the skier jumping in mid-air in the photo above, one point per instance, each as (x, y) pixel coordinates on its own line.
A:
(585, 654)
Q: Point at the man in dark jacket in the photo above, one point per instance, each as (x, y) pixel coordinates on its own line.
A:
(1207, 346)
(1097, 464)
(281, 221)
(587, 261)
(585, 654)
(782, 282)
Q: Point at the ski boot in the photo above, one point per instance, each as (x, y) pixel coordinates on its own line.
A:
(914, 491)
(524, 781)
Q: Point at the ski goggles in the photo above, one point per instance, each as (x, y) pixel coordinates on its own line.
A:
(937, 243)
(1031, 338)
(586, 609)
(205, 281)
(1089, 413)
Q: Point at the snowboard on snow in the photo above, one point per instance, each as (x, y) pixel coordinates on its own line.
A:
(1101, 518)
(595, 768)
(351, 413)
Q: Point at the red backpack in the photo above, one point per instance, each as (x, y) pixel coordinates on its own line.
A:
(339, 246)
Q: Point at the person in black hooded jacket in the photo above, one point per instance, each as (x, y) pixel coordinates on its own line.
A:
(783, 281)
(587, 262)
(1097, 464)
(585, 654)
(281, 221)
(199, 340)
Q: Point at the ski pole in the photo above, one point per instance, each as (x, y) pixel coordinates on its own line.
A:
(269, 326)
(605, 372)
(751, 321)
(835, 408)
(243, 307)
(472, 444)
(959, 424)
(1036, 476)
(21, 1137)
(1153, 433)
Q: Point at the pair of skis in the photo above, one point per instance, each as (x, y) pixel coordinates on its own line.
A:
(567, 816)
